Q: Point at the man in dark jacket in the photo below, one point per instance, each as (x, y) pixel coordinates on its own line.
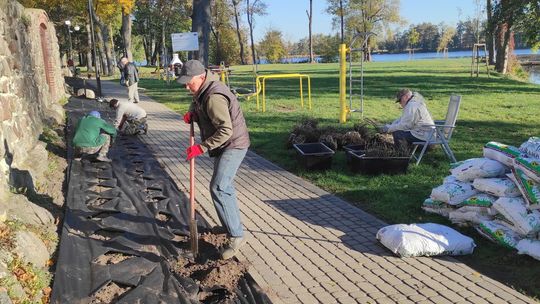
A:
(131, 78)
(225, 136)
(93, 135)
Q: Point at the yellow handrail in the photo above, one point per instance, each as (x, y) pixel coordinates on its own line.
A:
(262, 87)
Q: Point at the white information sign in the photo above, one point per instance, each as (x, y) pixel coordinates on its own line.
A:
(185, 41)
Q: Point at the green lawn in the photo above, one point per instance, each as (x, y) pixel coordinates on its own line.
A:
(493, 109)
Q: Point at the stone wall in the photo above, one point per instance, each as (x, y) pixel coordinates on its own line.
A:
(31, 85)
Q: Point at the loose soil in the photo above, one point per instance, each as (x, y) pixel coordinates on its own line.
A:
(216, 277)
(109, 293)
(112, 258)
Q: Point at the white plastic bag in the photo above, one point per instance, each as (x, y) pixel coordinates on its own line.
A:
(502, 153)
(453, 193)
(530, 166)
(479, 200)
(497, 186)
(529, 247)
(424, 240)
(529, 188)
(464, 218)
(514, 210)
(477, 168)
(437, 207)
(499, 234)
(531, 147)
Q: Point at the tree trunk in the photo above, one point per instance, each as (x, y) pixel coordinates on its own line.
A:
(310, 18)
(113, 53)
(89, 66)
(250, 22)
(101, 54)
(107, 50)
(490, 44)
(126, 34)
(155, 53)
(201, 24)
(501, 65)
(238, 33)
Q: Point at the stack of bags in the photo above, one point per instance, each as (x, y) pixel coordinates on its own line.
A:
(498, 194)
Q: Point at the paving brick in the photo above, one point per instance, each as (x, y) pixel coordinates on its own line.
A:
(477, 300)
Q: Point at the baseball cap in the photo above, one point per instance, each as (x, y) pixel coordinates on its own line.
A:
(95, 114)
(401, 93)
(189, 69)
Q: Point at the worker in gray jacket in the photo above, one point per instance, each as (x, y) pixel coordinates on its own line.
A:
(130, 75)
(130, 118)
(224, 136)
(414, 124)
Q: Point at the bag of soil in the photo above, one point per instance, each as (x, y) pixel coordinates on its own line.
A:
(453, 193)
(427, 239)
(499, 233)
(502, 153)
(478, 168)
(497, 186)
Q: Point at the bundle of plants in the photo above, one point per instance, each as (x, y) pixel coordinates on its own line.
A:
(384, 149)
(331, 137)
(304, 132)
(353, 138)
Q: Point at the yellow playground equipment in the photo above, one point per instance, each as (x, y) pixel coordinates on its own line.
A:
(260, 85)
(346, 110)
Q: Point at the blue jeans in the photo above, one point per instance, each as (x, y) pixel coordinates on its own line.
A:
(222, 190)
(401, 135)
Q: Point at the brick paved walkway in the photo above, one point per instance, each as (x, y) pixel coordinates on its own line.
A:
(308, 246)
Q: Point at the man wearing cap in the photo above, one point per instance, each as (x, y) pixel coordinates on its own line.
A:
(411, 126)
(224, 136)
(130, 118)
(130, 74)
(93, 135)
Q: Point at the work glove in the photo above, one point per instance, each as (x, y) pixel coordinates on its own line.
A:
(189, 117)
(193, 151)
(383, 129)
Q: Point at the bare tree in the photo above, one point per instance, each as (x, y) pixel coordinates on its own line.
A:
(310, 18)
(236, 8)
(200, 18)
(254, 7)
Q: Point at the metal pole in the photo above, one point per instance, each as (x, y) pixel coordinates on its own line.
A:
(96, 67)
(70, 56)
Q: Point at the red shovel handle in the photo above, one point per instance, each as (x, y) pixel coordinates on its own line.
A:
(192, 174)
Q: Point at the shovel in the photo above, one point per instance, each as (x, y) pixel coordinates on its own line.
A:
(193, 234)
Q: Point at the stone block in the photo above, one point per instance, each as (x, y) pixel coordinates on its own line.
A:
(18, 207)
(4, 298)
(86, 92)
(31, 249)
(5, 105)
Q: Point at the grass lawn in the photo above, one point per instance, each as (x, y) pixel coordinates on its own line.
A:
(492, 109)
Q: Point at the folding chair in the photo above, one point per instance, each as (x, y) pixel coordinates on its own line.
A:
(441, 132)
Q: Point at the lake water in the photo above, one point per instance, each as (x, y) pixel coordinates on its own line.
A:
(534, 73)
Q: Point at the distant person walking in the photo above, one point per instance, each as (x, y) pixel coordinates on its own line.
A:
(130, 118)
(224, 135)
(411, 126)
(130, 75)
(93, 135)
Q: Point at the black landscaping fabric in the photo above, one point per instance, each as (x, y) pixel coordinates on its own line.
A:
(112, 208)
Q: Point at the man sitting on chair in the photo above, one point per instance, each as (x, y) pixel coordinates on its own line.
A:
(410, 127)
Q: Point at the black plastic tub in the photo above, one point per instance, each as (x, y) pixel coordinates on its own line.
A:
(359, 149)
(314, 156)
(378, 165)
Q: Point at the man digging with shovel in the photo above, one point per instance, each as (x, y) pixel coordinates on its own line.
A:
(224, 136)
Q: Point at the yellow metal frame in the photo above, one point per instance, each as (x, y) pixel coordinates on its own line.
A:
(344, 109)
(262, 87)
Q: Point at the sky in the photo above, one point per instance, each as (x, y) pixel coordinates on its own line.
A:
(289, 16)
